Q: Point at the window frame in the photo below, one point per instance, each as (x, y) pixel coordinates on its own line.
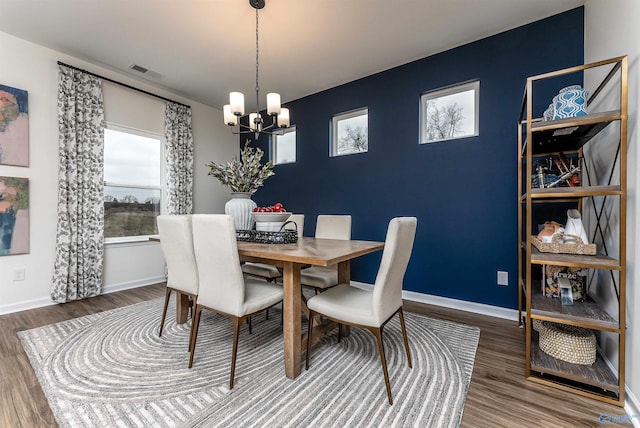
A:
(457, 88)
(335, 119)
(162, 187)
(274, 145)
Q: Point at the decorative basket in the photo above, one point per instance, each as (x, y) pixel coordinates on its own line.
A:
(558, 247)
(567, 343)
(536, 324)
(284, 236)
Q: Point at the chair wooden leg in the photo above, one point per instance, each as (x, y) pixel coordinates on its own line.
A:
(236, 332)
(309, 334)
(267, 317)
(250, 330)
(191, 338)
(194, 333)
(404, 336)
(339, 332)
(378, 333)
(167, 294)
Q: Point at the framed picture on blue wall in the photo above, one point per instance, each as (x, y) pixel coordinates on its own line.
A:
(450, 113)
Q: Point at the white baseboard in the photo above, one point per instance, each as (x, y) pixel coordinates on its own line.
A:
(632, 407)
(26, 305)
(461, 305)
(112, 288)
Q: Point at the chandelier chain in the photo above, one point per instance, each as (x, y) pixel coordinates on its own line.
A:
(257, 62)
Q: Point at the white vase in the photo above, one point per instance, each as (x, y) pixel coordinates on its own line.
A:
(574, 226)
(240, 207)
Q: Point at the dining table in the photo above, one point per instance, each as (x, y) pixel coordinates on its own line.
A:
(290, 259)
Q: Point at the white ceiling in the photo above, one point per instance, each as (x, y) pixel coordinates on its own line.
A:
(203, 49)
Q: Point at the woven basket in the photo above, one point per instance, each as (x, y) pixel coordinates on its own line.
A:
(557, 247)
(567, 343)
(536, 324)
(284, 236)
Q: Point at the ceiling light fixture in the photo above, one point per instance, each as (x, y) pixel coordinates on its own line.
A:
(235, 109)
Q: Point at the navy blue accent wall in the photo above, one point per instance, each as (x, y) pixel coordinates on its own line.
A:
(463, 192)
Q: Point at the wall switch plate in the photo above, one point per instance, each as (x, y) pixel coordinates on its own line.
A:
(503, 277)
(18, 274)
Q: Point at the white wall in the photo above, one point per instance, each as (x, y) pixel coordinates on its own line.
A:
(611, 29)
(33, 68)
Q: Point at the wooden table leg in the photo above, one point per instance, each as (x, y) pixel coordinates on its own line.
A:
(292, 328)
(182, 307)
(344, 277)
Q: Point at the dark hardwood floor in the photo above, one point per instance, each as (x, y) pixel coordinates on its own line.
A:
(499, 395)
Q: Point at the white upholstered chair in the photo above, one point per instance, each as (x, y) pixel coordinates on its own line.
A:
(270, 272)
(176, 241)
(372, 309)
(223, 288)
(327, 227)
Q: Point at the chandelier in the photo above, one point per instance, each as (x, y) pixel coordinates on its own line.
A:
(235, 109)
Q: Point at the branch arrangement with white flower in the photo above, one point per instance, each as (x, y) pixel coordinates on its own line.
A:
(244, 175)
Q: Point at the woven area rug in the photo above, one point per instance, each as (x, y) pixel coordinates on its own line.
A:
(112, 369)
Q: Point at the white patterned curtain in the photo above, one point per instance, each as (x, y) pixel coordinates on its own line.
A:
(79, 238)
(178, 158)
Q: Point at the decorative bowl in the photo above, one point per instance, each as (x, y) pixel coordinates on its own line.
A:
(269, 226)
(270, 217)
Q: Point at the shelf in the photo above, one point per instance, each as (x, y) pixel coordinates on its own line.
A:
(599, 261)
(597, 374)
(568, 135)
(538, 141)
(587, 314)
(573, 193)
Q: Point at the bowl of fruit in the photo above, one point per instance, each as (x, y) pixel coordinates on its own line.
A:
(271, 218)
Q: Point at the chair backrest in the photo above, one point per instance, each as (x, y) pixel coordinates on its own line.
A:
(333, 227)
(219, 271)
(298, 219)
(176, 241)
(387, 291)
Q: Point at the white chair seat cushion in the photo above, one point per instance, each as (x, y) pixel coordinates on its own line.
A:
(319, 277)
(261, 269)
(346, 303)
(259, 295)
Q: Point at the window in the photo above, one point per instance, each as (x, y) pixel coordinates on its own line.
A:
(449, 113)
(350, 132)
(132, 182)
(284, 147)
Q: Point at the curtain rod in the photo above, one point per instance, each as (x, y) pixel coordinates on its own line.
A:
(122, 84)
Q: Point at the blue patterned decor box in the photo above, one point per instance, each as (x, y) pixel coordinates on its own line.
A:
(570, 102)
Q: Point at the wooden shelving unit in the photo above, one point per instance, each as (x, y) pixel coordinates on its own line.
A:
(537, 139)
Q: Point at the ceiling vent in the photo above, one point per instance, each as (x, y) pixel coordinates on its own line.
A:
(138, 68)
(147, 73)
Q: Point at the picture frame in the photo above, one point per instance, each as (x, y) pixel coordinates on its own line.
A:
(14, 126)
(14, 215)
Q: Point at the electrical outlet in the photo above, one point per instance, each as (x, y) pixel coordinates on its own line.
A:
(503, 277)
(18, 274)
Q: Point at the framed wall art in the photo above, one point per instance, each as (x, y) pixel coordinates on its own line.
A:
(14, 126)
(14, 215)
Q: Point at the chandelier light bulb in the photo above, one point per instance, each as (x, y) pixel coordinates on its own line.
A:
(229, 118)
(273, 104)
(236, 101)
(255, 121)
(283, 118)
